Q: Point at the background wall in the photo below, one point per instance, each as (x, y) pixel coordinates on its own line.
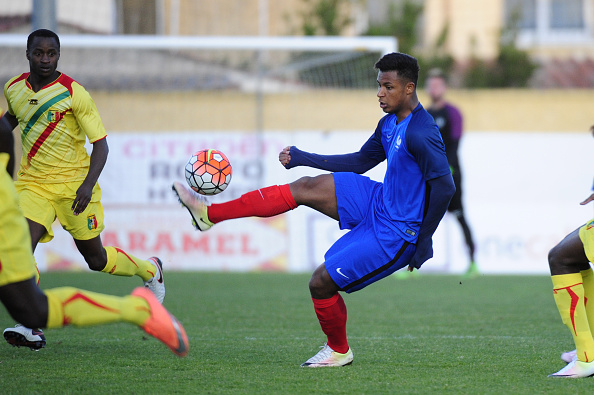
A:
(484, 110)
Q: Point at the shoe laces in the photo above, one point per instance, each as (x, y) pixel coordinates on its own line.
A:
(322, 355)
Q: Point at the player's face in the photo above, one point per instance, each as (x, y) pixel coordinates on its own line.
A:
(392, 91)
(43, 57)
(436, 88)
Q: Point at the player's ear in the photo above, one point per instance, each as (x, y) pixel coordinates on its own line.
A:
(27, 54)
(410, 88)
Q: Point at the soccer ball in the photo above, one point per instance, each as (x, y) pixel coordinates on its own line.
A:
(208, 172)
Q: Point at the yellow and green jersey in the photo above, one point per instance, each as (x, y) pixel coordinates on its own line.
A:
(55, 123)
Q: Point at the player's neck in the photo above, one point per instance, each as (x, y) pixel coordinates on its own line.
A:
(37, 83)
(405, 112)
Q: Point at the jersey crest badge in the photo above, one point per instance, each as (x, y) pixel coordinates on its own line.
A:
(33, 102)
(54, 116)
(91, 222)
(398, 143)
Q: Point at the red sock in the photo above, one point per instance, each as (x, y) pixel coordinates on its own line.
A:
(332, 314)
(265, 202)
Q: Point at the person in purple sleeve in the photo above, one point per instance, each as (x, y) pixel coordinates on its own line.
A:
(391, 222)
(450, 123)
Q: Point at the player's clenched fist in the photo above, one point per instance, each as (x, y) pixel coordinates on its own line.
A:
(285, 156)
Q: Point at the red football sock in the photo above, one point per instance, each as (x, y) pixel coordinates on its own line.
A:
(332, 314)
(265, 202)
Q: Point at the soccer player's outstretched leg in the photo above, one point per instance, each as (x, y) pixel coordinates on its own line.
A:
(391, 223)
(57, 177)
(54, 308)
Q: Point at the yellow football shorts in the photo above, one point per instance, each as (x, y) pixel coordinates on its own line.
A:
(16, 257)
(43, 203)
(587, 237)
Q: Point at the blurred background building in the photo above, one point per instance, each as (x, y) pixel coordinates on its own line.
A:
(467, 37)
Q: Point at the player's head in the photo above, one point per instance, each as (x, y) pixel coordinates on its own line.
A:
(397, 82)
(436, 84)
(42, 33)
(43, 53)
(405, 65)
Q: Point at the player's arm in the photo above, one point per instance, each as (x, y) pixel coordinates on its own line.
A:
(7, 124)
(440, 192)
(428, 150)
(588, 199)
(369, 156)
(85, 191)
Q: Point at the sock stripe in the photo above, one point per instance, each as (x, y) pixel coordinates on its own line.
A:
(574, 302)
(80, 296)
(126, 255)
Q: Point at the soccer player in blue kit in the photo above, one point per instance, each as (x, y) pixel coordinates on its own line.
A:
(391, 223)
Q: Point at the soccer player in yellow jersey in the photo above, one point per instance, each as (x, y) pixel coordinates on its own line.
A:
(55, 308)
(573, 289)
(57, 178)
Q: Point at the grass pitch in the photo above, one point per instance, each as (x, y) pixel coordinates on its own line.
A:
(249, 332)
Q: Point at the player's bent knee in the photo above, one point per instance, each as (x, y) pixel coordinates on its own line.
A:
(560, 262)
(321, 285)
(96, 263)
(312, 190)
(554, 259)
(303, 185)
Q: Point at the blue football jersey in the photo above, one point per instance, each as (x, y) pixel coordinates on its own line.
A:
(415, 153)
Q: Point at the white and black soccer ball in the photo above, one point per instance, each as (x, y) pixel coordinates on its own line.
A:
(208, 172)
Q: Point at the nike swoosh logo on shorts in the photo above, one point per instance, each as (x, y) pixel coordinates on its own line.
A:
(339, 272)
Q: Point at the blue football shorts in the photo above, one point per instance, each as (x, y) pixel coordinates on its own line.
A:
(358, 258)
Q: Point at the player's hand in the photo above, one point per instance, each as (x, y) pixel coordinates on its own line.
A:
(83, 198)
(588, 200)
(423, 252)
(285, 156)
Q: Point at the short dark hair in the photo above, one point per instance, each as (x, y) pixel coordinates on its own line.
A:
(406, 65)
(42, 33)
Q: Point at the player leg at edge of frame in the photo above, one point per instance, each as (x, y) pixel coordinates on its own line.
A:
(83, 308)
(34, 338)
(573, 284)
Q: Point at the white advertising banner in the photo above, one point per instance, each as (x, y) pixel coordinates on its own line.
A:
(521, 194)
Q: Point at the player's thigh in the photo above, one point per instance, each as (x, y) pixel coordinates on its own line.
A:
(85, 226)
(38, 206)
(316, 192)
(354, 197)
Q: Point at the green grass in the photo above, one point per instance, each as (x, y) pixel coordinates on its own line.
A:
(249, 332)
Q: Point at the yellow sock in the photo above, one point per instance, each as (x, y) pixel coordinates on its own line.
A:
(72, 306)
(120, 263)
(569, 296)
(588, 281)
